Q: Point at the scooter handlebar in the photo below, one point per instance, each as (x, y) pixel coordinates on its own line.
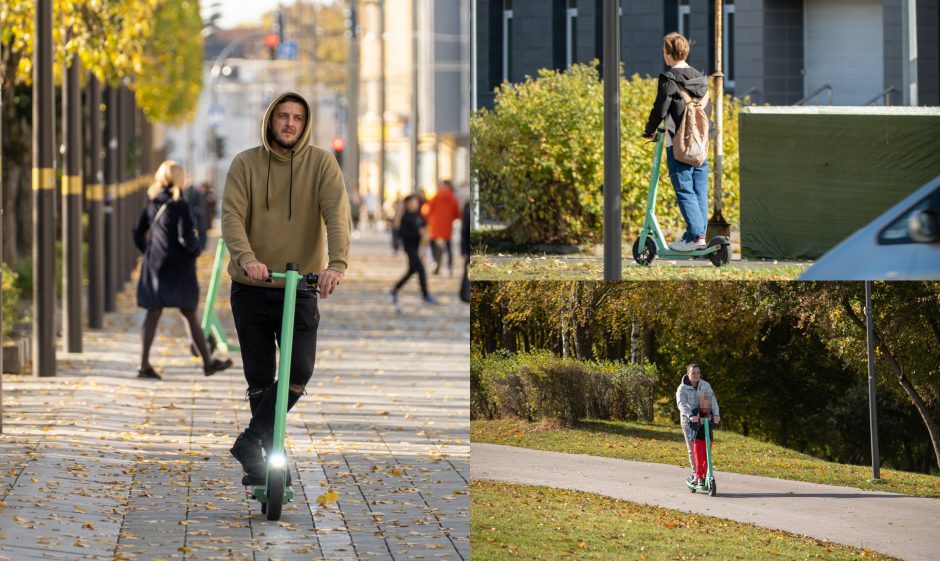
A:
(310, 279)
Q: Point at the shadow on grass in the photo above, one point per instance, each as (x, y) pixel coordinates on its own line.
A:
(607, 427)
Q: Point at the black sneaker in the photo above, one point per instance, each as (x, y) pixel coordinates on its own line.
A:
(216, 366)
(247, 450)
(148, 373)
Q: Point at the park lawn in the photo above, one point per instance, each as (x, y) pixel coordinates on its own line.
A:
(662, 444)
(483, 268)
(522, 522)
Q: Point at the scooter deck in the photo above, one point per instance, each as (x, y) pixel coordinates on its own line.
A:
(260, 493)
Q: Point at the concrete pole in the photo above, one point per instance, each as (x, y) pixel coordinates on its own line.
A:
(612, 199)
(351, 159)
(873, 413)
(381, 5)
(72, 187)
(909, 52)
(44, 332)
(475, 223)
(414, 96)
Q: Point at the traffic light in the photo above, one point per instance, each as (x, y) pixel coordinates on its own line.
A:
(272, 41)
(339, 144)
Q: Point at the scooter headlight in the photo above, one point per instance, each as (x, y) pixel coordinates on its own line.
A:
(277, 461)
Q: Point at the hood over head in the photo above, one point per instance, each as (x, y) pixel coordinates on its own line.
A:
(691, 79)
(303, 141)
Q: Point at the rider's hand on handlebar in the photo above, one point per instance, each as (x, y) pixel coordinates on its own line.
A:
(648, 136)
(329, 280)
(256, 270)
(717, 419)
(693, 418)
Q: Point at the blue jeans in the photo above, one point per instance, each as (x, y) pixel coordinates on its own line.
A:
(691, 186)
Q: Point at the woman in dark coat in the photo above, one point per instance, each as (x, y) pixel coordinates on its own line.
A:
(168, 275)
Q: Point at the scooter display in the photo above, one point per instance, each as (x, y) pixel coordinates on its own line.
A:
(652, 243)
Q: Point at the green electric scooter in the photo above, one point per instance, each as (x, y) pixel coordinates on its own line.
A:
(708, 484)
(276, 489)
(652, 242)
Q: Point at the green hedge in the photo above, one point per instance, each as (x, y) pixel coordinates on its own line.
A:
(11, 295)
(542, 386)
(539, 158)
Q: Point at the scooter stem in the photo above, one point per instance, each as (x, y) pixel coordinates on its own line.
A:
(291, 277)
(708, 447)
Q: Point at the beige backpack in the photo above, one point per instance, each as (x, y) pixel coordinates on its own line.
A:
(690, 143)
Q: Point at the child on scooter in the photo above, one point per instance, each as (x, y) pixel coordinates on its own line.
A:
(696, 399)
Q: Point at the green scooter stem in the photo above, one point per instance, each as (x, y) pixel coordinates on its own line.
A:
(291, 278)
(708, 451)
(211, 325)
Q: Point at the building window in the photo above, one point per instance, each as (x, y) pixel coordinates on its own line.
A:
(727, 43)
(571, 32)
(507, 39)
(684, 18)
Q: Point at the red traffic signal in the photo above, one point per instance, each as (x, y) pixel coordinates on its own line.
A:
(272, 40)
(338, 144)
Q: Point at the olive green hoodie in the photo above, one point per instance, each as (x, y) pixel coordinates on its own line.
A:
(285, 209)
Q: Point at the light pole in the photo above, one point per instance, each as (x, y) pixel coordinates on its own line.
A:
(873, 413)
(612, 208)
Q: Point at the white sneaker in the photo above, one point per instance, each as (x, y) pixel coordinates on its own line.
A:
(688, 246)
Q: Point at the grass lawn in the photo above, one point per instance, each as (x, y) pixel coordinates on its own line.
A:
(521, 522)
(661, 443)
(488, 268)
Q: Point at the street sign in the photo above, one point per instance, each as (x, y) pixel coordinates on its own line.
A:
(216, 114)
(287, 50)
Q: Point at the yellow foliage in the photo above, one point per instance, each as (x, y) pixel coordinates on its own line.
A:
(153, 46)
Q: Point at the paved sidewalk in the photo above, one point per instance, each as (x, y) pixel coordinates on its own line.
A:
(97, 464)
(905, 527)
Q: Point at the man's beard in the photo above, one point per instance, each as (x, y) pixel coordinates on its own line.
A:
(284, 146)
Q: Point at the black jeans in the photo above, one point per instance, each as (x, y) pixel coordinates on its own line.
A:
(258, 314)
(414, 266)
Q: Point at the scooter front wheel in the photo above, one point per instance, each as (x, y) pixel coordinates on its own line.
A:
(712, 489)
(275, 493)
(646, 256)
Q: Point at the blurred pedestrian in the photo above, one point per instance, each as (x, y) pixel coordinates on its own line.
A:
(396, 213)
(373, 209)
(265, 188)
(412, 231)
(170, 243)
(441, 212)
(690, 182)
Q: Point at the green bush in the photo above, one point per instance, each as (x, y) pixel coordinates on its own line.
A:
(542, 386)
(11, 295)
(539, 154)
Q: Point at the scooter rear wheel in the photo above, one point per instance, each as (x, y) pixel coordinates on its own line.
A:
(646, 256)
(275, 494)
(721, 256)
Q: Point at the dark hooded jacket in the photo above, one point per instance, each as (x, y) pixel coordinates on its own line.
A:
(280, 209)
(669, 105)
(168, 274)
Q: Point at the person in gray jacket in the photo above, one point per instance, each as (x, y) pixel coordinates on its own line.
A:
(694, 396)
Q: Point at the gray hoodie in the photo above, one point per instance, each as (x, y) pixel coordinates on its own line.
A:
(687, 397)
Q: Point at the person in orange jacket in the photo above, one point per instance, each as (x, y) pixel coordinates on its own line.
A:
(440, 213)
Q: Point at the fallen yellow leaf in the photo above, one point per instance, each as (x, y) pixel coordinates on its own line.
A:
(330, 496)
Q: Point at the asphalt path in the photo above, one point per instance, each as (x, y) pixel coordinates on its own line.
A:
(897, 525)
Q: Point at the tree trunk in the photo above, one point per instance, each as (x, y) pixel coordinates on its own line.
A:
(635, 344)
(909, 388)
(509, 333)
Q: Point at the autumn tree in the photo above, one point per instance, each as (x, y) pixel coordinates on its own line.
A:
(154, 47)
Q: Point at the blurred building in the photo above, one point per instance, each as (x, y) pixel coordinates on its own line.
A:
(776, 51)
(241, 77)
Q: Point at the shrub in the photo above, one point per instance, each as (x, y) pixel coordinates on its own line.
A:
(542, 386)
(11, 295)
(538, 157)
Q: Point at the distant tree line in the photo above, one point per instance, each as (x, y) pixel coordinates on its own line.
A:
(787, 360)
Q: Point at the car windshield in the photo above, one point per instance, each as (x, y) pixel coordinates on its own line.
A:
(897, 231)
